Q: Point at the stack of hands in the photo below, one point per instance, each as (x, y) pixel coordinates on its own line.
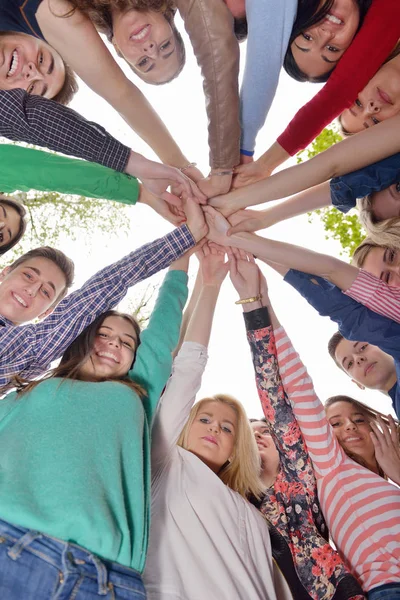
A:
(191, 186)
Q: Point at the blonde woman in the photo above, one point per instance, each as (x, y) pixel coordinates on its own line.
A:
(206, 540)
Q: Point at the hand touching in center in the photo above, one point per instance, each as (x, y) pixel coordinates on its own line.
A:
(157, 177)
(170, 212)
(212, 263)
(217, 226)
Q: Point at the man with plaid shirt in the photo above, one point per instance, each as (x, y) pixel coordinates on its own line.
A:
(33, 285)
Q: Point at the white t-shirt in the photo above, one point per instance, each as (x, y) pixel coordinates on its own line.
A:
(206, 541)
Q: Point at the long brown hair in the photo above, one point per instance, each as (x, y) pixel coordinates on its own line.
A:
(370, 414)
(78, 353)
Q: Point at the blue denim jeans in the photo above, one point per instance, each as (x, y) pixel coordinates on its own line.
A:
(34, 566)
(390, 591)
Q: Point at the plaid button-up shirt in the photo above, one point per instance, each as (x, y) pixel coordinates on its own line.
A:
(28, 350)
(42, 122)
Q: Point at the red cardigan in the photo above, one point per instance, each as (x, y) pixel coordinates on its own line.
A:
(369, 50)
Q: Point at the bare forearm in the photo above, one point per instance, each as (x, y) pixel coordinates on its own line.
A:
(143, 119)
(75, 36)
(199, 328)
(296, 257)
(307, 201)
(187, 315)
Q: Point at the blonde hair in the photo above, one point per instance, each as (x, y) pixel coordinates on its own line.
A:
(242, 472)
(381, 233)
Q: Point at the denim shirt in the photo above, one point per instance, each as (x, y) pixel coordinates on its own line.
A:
(346, 189)
(356, 321)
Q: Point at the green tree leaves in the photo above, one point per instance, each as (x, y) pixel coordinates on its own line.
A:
(345, 228)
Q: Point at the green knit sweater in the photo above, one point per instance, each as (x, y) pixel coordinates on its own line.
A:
(26, 169)
(75, 456)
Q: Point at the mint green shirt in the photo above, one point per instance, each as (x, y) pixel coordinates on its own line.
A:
(26, 169)
(75, 456)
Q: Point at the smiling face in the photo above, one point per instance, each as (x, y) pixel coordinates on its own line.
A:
(29, 63)
(268, 453)
(10, 222)
(148, 44)
(385, 264)
(378, 101)
(366, 364)
(212, 435)
(352, 429)
(318, 49)
(30, 290)
(114, 349)
(385, 204)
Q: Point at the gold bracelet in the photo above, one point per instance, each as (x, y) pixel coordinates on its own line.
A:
(248, 300)
(188, 166)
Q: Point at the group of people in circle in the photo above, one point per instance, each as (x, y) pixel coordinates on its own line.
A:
(114, 482)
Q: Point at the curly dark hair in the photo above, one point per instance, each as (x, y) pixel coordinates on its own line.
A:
(99, 12)
(309, 13)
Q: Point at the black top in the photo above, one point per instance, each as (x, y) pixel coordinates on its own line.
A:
(19, 15)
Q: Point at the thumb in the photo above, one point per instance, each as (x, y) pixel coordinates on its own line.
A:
(241, 169)
(171, 199)
(235, 229)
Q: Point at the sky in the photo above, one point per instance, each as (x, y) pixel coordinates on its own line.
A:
(181, 106)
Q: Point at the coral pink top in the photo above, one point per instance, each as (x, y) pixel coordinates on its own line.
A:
(372, 45)
(375, 294)
(362, 510)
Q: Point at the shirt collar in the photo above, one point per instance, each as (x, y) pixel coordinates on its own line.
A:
(6, 322)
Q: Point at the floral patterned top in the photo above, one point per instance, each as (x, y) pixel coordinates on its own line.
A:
(291, 504)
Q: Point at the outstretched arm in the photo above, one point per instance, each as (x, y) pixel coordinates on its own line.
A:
(307, 201)
(287, 255)
(189, 365)
(75, 37)
(269, 28)
(351, 154)
(209, 25)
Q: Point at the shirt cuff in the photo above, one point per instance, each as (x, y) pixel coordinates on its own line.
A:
(257, 319)
(342, 196)
(246, 152)
(114, 155)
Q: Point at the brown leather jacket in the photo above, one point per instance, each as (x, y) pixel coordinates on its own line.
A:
(209, 25)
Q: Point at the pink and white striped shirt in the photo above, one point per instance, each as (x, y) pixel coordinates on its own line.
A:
(376, 294)
(362, 510)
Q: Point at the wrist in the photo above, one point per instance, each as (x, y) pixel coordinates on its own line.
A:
(197, 231)
(211, 286)
(273, 157)
(250, 306)
(134, 162)
(143, 197)
(179, 161)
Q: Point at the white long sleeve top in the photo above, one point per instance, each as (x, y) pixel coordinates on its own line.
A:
(206, 541)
